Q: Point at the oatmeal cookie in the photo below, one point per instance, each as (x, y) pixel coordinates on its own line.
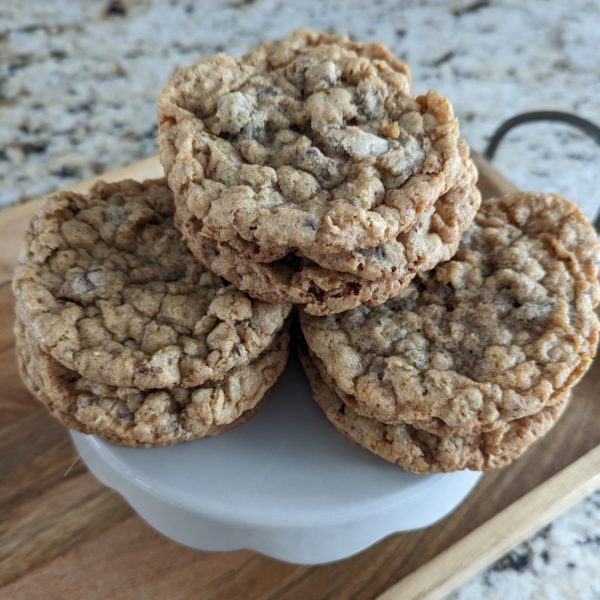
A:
(111, 291)
(433, 238)
(494, 335)
(312, 147)
(283, 51)
(324, 291)
(423, 452)
(134, 417)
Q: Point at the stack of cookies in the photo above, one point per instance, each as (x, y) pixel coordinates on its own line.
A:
(307, 172)
(475, 359)
(122, 333)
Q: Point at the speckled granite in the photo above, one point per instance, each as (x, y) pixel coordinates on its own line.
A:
(78, 84)
(79, 81)
(560, 562)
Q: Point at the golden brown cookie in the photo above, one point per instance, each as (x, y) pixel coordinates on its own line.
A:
(324, 291)
(418, 249)
(110, 290)
(307, 144)
(282, 51)
(133, 417)
(494, 335)
(424, 452)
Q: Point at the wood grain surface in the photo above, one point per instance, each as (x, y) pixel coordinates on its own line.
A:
(63, 535)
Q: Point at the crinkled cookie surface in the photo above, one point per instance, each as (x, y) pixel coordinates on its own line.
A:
(308, 144)
(110, 290)
(419, 248)
(421, 451)
(496, 334)
(136, 417)
(364, 276)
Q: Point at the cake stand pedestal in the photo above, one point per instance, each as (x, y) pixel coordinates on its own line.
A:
(285, 484)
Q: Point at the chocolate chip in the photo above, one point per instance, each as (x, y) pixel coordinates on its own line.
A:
(267, 92)
(376, 252)
(311, 224)
(89, 285)
(144, 370)
(173, 275)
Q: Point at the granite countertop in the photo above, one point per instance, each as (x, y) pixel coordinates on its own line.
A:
(78, 87)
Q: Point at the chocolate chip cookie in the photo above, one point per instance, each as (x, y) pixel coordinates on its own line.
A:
(421, 451)
(496, 334)
(420, 248)
(109, 290)
(368, 276)
(134, 417)
(305, 145)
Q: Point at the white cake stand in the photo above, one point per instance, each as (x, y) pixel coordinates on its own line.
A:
(285, 484)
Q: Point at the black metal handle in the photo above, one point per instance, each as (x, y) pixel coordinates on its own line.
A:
(587, 127)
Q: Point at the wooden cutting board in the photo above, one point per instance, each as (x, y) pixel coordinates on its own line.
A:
(63, 535)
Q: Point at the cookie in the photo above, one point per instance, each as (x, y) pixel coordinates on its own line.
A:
(323, 291)
(432, 425)
(494, 335)
(433, 239)
(71, 422)
(423, 452)
(135, 417)
(111, 291)
(283, 51)
(314, 148)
